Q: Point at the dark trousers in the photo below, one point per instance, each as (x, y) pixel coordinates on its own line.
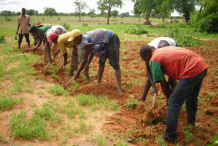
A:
(112, 52)
(187, 90)
(21, 38)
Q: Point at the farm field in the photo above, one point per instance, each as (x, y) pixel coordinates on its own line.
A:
(36, 110)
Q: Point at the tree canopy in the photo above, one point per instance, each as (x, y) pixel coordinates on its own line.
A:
(107, 5)
(50, 12)
(206, 20)
(80, 5)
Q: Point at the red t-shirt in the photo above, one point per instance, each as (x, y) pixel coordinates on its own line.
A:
(175, 62)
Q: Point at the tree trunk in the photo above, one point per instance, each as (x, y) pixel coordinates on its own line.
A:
(79, 16)
(187, 16)
(163, 18)
(147, 19)
(108, 15)
(171, 19)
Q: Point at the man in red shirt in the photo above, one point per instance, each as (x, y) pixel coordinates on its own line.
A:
(183, 65)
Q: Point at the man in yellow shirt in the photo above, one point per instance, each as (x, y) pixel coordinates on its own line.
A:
(23, 27)
(63, 44)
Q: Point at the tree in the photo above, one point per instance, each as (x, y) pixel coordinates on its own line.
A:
(114, 13)
(79, 7)
(107, 5)
(126, 14)
(6, 14)
(147, 6)
(164, 8)
(91, 13)
(83, 14)
(50, 11)
(32, 12)
(185, 7)
(206, 20)
(137, 9)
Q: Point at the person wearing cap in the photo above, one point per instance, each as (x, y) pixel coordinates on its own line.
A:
(58, 30)
(187, 67)
(157, 43)
(39, 33)
(22, 28)
(64, 41)
(104, 44)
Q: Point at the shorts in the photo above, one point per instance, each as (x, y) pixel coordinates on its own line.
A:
(112, 52)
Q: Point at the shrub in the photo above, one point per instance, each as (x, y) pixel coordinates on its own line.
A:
(138, 30)
(205, 23)
(85, 24)
(2, 39)
(183, 38)
(66, 26)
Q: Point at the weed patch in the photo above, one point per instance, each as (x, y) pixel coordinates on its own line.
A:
(138, 31)
(58, 90)
(22, 127)
(131, 103)
(183, 38)
(8, 102)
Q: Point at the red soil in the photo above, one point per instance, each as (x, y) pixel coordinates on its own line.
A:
(133, 80)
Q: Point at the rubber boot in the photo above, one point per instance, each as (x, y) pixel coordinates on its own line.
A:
(19, 45)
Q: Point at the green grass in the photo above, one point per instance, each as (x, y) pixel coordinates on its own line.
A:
(28, 128)
(101, 141)
(48, 112)
(96, 102)
(58, 90)
(16, 75)
(7, 102)
(131, 103)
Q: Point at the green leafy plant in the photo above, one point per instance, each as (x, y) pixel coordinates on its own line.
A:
(76, 85)
(23, 127)
(48, 112)
(138, 30)
(183, 38)
(101, 141)
(161, 141)
(66, 26)
(58, 90)
(85, 24)
(131, 103)
(2, 39)
(7, 102)
(188, 135)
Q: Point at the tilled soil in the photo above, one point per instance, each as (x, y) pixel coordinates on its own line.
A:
(141, 122)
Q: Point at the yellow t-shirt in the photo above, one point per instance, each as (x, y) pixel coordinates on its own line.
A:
(24, 22)
(63, 42)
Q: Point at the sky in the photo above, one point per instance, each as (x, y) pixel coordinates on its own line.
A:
(66, 6)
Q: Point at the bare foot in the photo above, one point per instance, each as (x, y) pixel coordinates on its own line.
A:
(121, 93)
(141, 99)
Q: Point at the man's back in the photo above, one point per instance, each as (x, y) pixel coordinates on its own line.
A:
(178, 62)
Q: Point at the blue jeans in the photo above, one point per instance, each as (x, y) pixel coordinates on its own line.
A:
(187, 90)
